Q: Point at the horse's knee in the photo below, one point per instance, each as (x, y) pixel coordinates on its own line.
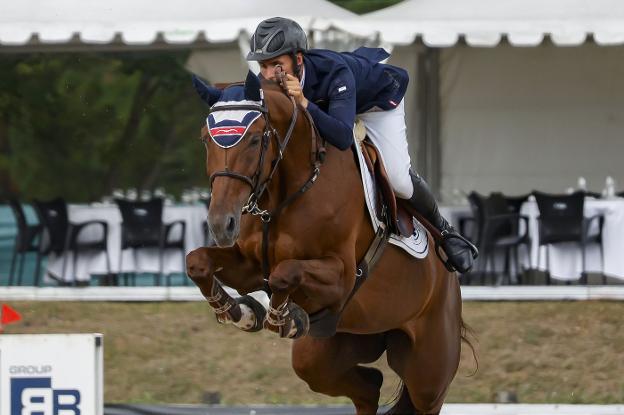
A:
(285, 276)
(308, 368)
(199, 264)
(427, 400)
(315, 382)
(304, 364)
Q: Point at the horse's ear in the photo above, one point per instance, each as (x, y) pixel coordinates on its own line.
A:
(252, 87)
(207, 93)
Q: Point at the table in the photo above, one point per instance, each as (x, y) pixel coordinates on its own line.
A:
(94, 263)
(565, 259)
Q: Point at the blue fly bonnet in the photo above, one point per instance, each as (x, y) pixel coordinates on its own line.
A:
(228, 127)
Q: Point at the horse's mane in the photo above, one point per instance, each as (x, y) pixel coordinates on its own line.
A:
(269, 85)
(272, 87)
(275, 96)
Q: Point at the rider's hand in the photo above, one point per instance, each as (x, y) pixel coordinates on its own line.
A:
(293, 87)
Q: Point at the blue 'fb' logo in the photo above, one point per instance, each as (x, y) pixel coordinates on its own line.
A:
(35, 396)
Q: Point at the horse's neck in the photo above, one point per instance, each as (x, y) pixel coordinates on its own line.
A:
(295, 168)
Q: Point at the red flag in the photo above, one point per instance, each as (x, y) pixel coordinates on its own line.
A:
(9, 315)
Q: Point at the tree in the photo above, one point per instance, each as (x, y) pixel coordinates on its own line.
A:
(364, 6)
(79, 125)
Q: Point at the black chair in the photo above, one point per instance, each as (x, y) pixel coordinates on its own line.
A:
(143, 227)
(514, 203)
(620, 194)
(514, 207)
(498, 228)
(595, 195)
(562, 219)
(62, 236)
(28, 239)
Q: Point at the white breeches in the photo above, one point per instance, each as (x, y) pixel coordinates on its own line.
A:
(387, 130)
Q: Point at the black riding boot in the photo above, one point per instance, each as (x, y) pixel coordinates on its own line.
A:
(459, 251)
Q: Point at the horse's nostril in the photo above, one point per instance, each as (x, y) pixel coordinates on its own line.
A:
(231, 224)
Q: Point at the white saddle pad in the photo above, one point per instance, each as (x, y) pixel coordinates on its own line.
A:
(416, 245)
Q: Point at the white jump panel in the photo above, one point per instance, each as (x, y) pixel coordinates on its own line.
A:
(471, 293)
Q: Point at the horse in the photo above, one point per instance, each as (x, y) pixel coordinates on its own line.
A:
(303, 234)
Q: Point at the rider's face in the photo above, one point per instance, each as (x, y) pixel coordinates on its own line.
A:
(267, 67)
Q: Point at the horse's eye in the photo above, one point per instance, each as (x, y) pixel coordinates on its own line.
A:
(255, 140)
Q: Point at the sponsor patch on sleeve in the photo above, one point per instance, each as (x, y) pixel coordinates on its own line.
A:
(342, 88)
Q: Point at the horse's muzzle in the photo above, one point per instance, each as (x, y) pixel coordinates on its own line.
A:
(224, 228)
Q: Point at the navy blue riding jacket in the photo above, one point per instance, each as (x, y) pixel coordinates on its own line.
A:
(340, 85)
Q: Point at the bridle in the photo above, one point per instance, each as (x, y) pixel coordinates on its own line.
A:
(258, 186)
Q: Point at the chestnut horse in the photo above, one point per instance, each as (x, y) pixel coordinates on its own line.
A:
(317, 231)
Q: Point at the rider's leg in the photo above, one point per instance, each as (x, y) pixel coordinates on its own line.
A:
(387, 130)
(460, 253)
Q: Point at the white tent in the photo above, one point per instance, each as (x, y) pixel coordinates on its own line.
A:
(145, 22)
(484, 113)
(217, 31)
(483, 22)
(509, 95)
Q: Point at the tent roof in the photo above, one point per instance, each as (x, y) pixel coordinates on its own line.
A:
(485, 22)
(142, 22)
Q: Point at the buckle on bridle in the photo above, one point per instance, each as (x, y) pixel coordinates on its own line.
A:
(252, 208)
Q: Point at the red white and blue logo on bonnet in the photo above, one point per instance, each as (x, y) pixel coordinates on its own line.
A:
(228, 127)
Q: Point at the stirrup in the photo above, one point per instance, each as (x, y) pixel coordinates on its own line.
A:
(446, 235)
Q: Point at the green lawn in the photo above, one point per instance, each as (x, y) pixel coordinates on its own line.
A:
(544, 352)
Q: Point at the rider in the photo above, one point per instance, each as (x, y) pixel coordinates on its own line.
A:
(334, 87)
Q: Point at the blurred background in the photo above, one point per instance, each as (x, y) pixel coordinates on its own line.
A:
(515, 115)
(96, 105)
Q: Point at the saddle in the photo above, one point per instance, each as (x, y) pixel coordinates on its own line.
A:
(396, 217)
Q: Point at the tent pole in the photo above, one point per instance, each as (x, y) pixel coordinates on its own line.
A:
(429, 152)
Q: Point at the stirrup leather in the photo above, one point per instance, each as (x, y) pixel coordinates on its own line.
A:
(448, 235)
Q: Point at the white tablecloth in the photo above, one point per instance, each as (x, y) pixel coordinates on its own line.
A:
(146, 259)
(565, 259)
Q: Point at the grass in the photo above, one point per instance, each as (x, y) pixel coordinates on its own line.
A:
(544, 352)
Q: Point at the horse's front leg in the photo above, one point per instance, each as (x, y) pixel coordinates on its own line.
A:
(320, 280)
(234, 270)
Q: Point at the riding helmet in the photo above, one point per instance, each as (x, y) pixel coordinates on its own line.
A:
(277, 36)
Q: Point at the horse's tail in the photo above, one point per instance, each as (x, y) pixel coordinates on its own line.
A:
(468, 332)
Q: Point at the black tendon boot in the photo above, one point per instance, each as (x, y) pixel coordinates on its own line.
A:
(459, 251)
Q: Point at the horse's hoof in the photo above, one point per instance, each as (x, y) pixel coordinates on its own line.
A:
(251, 323)
(289, 322)
(300, 320)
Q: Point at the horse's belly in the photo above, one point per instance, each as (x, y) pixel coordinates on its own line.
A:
(395, 293)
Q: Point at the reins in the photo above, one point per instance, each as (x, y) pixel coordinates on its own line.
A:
(267, 216)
